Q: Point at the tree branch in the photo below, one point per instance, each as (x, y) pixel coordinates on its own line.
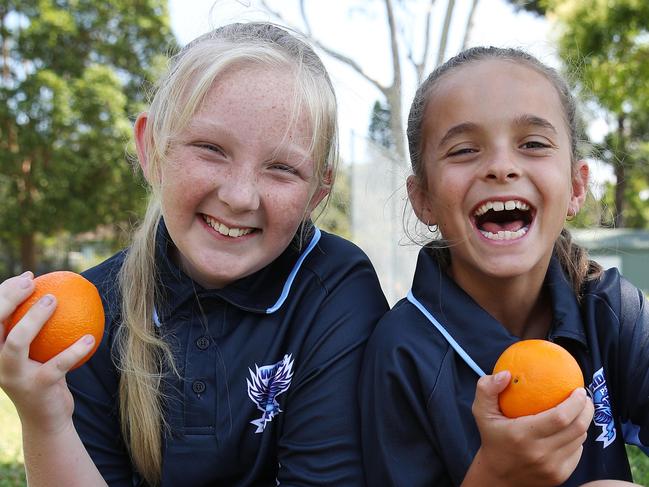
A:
(329, 51)
(305, 19)
(469, 25)
(394, 46)
(421, 67)
(444, 37)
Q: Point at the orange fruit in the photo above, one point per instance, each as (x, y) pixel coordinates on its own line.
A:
(78, 312)
(543, 375)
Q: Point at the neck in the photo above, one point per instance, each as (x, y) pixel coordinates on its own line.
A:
(519, 303)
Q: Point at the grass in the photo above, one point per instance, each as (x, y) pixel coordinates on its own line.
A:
(12, 473)
(639, 465)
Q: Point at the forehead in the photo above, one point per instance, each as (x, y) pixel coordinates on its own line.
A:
(256, 96)
(252, 86)
(491, 91)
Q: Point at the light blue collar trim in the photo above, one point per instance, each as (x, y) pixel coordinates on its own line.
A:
(451, 341)
(156, 318)
(289, 282)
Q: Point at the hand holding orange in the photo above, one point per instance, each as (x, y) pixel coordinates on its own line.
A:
(543, 374)
(79, 312)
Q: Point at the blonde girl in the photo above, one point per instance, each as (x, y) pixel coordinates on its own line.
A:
(234, 326)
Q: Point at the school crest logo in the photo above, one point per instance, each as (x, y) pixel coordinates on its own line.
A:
(603, 416)
(265, 384)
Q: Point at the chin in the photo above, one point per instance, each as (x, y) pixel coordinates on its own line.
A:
(506, 268)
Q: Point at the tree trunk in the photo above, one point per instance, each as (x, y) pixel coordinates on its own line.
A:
(393, 98)
(620, 188)
(441, 53)
(28, 252)
(620, 174)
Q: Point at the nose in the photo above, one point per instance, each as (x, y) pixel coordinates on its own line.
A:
(239, 190)
(501, 167)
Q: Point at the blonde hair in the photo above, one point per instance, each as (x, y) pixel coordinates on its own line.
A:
(143, 357)
(573, 258)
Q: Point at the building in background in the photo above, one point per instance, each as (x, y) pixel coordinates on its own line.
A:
(624, 248)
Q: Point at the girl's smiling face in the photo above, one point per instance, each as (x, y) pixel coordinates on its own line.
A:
(496, 158)
(239, 179)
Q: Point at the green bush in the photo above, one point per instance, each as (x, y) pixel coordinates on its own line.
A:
(12, 473)
(639, 465)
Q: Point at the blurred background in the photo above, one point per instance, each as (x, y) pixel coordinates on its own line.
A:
(74, 74)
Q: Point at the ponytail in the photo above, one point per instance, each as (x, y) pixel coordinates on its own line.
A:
(575, 263)
(142, 355)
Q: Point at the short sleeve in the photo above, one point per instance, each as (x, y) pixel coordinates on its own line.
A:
(634, 351)
(94, 387)
(396, 431)
(319, 443)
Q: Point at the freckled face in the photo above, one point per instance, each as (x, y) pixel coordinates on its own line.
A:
(497, 163)
(238, 179)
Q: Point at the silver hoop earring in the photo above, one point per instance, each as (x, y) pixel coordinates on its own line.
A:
(432, 228)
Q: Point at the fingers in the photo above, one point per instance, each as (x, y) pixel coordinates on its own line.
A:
(576, 432)
(56, 368)
(487, 390)
(566, 462)
(14, 291)
(572, 416)
(16, 346)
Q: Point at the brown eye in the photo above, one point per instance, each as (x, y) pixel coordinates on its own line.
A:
(535, 144)
(462, 151)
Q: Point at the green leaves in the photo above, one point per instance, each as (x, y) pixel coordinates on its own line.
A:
(605, 44)
(69, 86)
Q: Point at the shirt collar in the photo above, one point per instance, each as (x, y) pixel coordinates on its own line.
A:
(458, 313)
(262, 292)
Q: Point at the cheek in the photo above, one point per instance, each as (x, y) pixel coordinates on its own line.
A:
(182, 188)
(447, 189)
(286, 206)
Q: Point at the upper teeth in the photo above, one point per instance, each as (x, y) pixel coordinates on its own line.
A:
(501, 205)
(223, 230)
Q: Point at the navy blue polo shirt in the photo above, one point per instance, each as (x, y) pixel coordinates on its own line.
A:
(418, 385)
(268, 371)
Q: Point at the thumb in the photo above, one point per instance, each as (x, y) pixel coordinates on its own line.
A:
(486, 395)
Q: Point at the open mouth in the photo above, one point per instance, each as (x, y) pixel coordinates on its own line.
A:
(503, 220)
(234, 232)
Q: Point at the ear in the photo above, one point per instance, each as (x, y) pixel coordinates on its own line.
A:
(579, 187)
(322, 191)
(419, 201)
(142, 144)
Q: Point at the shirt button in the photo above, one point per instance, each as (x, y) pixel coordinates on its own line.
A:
(203, 342)
(198, 386)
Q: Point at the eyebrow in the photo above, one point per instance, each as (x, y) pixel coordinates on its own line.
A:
(458, 129)
(525, 119)
(533, 120)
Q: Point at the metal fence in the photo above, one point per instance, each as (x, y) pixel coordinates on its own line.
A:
(380, 215)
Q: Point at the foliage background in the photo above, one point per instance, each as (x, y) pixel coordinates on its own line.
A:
(71, 88)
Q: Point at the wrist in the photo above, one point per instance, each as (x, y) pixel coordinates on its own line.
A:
(49, 426)
(481, 472)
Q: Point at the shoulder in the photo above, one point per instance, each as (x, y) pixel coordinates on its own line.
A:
(405, 336)
(105, 278)
(614, 292)
(333, 251)
(105, 274)
(336, 261)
